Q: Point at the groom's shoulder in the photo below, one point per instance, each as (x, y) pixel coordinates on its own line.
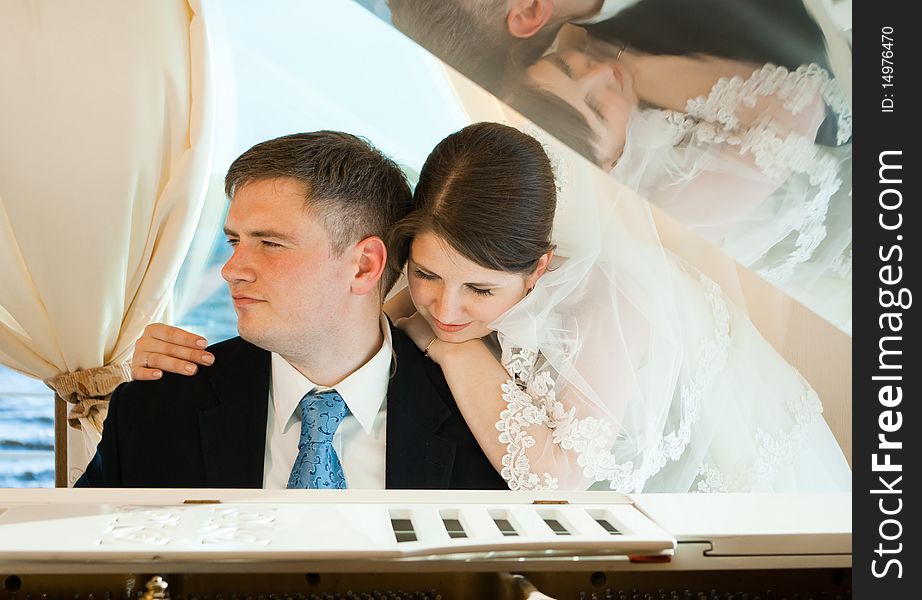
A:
(235, 346)
(405, 350)
(231, 355)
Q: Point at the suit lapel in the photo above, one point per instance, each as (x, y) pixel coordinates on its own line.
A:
(417, 458)
(234, 431)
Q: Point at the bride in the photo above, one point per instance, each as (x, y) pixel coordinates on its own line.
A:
(727, 147)
(593, 359)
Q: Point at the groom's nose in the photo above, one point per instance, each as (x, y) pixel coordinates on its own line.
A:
(237, 268)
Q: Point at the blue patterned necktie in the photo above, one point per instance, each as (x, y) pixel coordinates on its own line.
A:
(317, 466)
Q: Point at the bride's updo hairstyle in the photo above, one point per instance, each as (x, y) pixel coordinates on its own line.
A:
(488, 190)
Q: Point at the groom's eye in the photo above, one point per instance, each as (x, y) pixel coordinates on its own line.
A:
(269, 244)
(232, 241)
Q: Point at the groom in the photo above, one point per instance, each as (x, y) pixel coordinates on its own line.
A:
(315, 356)
(481, 38)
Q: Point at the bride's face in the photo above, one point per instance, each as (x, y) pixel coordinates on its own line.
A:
(457, 297)
(603, 93)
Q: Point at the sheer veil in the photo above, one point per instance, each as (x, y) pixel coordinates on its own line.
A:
(740, 167)
(650, 379)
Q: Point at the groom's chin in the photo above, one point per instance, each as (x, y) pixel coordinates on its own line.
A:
(255, 335)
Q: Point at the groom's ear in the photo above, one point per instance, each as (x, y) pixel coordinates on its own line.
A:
(527, 17)
(370, 261)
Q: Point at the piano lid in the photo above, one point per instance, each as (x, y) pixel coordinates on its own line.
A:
(755, 524)
(119, 527)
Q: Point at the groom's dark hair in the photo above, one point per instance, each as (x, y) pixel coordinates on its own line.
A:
(349, 185)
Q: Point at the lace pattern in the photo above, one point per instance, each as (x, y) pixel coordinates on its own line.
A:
(531, 400)
(794, 88)
(714, 120)
(773, 451)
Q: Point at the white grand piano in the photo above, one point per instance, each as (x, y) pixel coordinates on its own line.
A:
(111, 544)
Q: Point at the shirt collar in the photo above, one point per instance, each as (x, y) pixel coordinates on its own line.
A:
(364, 391)
(608, 10)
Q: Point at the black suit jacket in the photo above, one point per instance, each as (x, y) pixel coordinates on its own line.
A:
(776, 31)
(209, 430)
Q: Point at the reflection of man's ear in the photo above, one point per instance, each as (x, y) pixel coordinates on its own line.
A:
(526, 17)
(371, 259)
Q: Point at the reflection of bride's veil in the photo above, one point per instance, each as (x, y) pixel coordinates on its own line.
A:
(765, 193)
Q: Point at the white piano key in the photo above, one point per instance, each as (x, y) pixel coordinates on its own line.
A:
(529, 523)
(428, 525)
(478, 523)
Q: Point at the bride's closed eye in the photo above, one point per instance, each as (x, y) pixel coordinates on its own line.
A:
(595, 106)
(423, 275)
(480, 291)
(430, 277)
(562, 65)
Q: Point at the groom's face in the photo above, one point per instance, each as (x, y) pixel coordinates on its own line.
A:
(286, 285)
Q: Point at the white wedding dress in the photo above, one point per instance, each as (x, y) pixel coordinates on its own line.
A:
(740, 167)
(629, 371)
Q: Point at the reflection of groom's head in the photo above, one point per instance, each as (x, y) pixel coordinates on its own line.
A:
(481, 37)
(307, 219)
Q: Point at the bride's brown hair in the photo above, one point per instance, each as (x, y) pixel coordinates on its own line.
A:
(489, 191)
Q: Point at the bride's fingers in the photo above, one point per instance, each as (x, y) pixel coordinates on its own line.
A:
(150, 345)
(139, 373)
(418, 330)
(146, 365)
(174, 335)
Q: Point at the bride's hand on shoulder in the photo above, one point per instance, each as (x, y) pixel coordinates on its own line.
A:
(418, 330)
(166, 348)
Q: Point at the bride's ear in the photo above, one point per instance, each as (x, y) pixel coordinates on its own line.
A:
(540, 269)
(526, 17)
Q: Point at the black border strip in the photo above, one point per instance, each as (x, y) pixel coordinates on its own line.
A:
(886, 271)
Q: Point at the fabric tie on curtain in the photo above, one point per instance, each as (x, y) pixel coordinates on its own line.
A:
(88, 391)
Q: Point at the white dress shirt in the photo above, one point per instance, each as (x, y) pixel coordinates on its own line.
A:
(359, 440)
(608, 10)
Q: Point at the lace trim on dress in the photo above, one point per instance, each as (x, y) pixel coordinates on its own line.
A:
(795, 88)
(773, 451)
(531, 400)
(713, 120)
(712, 480)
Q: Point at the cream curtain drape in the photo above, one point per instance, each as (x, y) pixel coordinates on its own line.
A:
(106, 144)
